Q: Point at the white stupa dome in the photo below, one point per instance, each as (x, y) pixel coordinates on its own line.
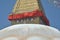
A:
(29, 32)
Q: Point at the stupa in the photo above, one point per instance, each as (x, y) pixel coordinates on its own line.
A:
(28, 12)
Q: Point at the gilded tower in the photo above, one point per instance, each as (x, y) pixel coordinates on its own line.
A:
(28, 12)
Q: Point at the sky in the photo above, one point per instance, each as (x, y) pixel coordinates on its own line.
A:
(52, 13)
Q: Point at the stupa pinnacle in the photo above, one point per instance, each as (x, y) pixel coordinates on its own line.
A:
(28, 12)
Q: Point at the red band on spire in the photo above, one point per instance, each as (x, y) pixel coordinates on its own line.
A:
(35, 13)
(24, 15)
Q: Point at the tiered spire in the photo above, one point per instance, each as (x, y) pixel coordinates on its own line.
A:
(28, 12)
